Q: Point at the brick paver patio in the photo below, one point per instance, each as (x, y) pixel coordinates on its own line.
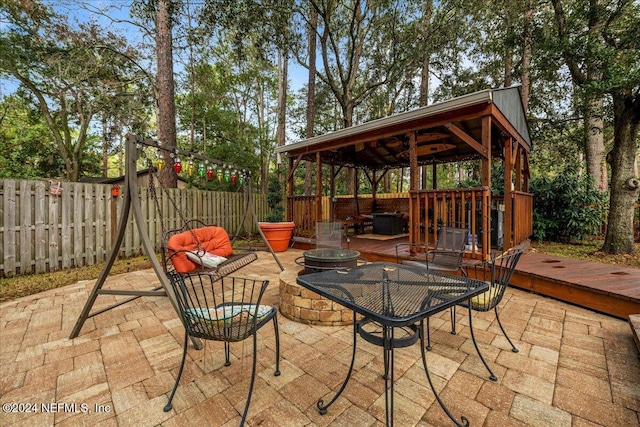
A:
(575, 368)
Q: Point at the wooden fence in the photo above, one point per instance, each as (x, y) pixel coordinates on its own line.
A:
(43, 232)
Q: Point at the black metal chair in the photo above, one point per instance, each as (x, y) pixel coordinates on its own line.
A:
(445, 258)
(224, 309)
(447, 255)
(497, 272)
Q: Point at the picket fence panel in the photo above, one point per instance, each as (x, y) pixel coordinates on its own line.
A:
(43, 232)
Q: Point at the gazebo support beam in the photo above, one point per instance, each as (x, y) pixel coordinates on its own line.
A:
(480, 148)
(508, 192)
(486, 182)
(318, 187)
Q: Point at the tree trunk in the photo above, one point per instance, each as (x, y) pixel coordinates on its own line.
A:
(508, 66)
(311, 90)
(165, 91)
(526, 56)
(424, 78)
(105, 148)
(625, 186)
(283, 76)
(594, 140)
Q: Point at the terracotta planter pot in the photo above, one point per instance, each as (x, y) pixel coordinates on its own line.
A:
(278, 234)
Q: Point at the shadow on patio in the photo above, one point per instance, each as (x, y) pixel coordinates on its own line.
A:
(575, 367)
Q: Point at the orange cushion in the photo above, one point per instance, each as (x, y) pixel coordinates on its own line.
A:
(214, 240)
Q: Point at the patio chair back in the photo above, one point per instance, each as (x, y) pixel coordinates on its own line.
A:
(329, 234)
(449, 249)
(224, 309)
(497, 272)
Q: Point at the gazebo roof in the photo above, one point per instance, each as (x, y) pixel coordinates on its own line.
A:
(445, 132)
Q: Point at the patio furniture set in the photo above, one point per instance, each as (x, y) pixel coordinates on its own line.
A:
(390, 302)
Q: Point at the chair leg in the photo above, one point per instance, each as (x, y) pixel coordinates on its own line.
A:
(253, 377)
(492, 376)
(277, 333)
(169, 404)
(513, 347)
(452, 313)
(227, 354)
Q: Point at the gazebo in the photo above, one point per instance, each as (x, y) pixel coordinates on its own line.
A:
(488, 126)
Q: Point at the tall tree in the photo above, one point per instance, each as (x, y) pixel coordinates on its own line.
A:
(165, 90)
(312, 41)
(610, 55)
(70, 74)
(350, 71)
(527, 52)
(580, 38)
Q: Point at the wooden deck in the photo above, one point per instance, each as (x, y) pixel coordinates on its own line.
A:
(606, 288)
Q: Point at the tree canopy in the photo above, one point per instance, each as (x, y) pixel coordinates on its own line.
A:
(78, 86)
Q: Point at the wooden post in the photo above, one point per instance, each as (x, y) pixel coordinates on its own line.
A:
(414, 202)
(508, 193)
(290, 191)
(318, 187)
(486, 182)
(332, 192)
(518, 167)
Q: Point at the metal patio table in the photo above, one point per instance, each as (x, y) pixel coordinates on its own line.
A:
(396, 299)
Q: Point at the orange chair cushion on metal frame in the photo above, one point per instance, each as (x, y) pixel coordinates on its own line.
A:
(214, 240)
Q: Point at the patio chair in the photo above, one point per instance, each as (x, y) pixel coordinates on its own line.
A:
(445, 258)
(330, 234)
(224, 309)
(447, 255)
(497, 272)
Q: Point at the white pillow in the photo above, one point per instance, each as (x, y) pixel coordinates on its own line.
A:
(206, 259)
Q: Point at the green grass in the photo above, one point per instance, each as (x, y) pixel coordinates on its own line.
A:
(587, 250)
(20, 286)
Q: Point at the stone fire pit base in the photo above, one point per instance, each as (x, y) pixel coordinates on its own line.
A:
(301, 305)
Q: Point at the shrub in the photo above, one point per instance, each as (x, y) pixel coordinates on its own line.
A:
(274, 198)
(566, 208)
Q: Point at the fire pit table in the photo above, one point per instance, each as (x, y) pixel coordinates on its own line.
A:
(316, 260)
(305, 306)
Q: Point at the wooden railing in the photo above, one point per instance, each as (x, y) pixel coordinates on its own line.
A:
(302, 210)
(471, 208)
(522, 216)
(461, 208)
(42, 231)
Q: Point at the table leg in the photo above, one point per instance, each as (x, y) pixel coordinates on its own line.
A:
(389, 373)
(322, 408)
(492, 376)
(465, 421)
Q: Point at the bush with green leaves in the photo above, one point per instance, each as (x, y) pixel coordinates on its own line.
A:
(566, 208)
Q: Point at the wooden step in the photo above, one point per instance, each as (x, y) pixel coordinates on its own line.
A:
(634, 322)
